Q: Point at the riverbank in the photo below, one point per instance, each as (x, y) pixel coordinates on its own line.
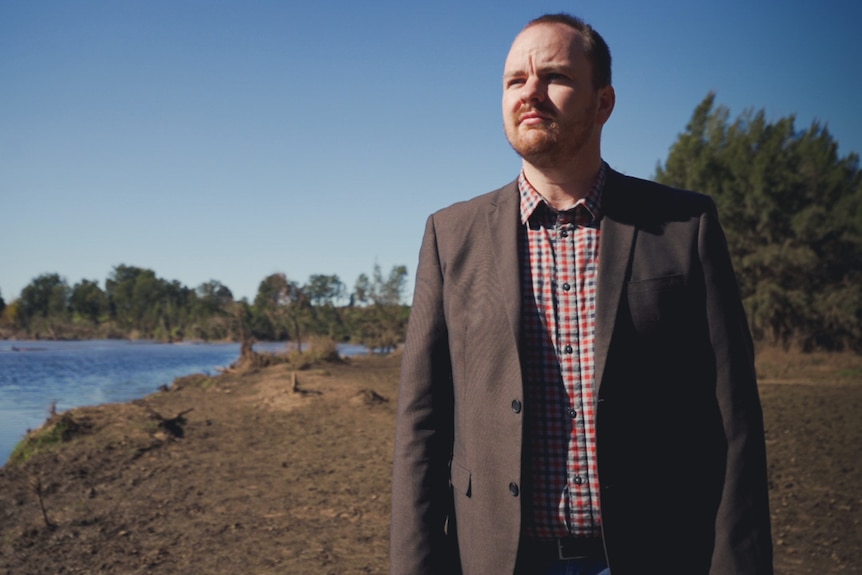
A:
(37, 374)
(280, 470)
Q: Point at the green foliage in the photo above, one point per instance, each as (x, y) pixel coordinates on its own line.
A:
(55, 431)
(320, 350)
(212, 314)
(44, 297)
(43, 307)
(324, 290)
(11, 316)
(383, 321)
(88, 302)
(269, 312)
(380, 328)
(791, 208)
(136, 303)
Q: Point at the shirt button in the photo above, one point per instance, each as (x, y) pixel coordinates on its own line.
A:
(513, 489)
(566, 287)
(516, 406)
(564, 234)
(578, 479)
(569, 349)
(572, 413)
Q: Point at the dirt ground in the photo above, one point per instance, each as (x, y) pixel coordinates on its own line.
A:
(271, 474)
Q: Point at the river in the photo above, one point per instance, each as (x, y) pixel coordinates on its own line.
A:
(36, 374)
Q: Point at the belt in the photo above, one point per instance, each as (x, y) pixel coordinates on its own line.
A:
(565, 548)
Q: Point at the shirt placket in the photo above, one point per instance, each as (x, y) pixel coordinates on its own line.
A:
(568, 279)
(563, 255)
(587, 273)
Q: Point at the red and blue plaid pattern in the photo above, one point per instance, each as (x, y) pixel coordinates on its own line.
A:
(559, 266)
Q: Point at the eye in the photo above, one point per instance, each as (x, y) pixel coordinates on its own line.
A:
(556, 77)
(511, 82)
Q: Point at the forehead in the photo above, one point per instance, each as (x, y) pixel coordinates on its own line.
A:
(544, 45)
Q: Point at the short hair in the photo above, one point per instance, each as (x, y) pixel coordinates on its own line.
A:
(596, 48)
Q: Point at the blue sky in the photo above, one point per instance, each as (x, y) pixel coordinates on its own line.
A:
(230, 140)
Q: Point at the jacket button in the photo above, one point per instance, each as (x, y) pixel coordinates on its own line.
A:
(516, 406)
(513, 489)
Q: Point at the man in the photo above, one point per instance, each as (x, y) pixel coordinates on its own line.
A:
(577, 391)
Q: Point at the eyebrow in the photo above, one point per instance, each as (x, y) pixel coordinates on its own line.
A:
(545, 69)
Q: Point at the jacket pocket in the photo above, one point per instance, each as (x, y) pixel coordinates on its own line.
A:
(656, 304)
(460, 478)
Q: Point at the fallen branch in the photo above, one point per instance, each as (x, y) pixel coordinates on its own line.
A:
(173, 425)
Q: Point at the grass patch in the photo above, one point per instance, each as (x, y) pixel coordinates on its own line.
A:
(195, 380)
(815, 367)
(58, 429)
(319, 350)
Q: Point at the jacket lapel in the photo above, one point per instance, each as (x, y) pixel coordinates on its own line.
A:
(504, 212)
(617, 238)
(615, 249)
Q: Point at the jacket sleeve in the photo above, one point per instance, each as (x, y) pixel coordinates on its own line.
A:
(743, 542)
(421, 496)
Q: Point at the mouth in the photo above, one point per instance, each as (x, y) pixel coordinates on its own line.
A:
(533, 118)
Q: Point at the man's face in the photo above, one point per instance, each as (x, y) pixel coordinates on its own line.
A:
(551, 110)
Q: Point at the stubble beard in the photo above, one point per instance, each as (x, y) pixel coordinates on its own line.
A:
(547, 147)
(538, 145)
(552, 145)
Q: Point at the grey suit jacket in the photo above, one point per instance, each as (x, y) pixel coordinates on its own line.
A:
(681, 455)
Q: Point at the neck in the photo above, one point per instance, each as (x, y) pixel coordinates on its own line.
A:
(563, 186)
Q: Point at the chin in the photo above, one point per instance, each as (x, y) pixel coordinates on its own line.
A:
(536, 148)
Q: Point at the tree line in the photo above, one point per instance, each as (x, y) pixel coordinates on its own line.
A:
(791, 208)
(135, 303)
(790, 205)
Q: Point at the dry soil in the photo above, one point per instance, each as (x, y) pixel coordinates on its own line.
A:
(283, 471)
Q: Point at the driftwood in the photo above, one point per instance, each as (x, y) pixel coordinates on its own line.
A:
(172, 425)
(294, 386)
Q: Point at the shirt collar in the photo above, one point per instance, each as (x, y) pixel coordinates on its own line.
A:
(531, 199)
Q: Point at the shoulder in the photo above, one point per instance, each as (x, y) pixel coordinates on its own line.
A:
(462, 214)
(627, 198)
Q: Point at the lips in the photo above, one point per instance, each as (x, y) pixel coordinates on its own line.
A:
(533, 116)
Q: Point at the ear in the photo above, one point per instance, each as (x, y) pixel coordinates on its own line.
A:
(607, 98)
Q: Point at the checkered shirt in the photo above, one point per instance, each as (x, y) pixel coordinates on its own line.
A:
(559, 254)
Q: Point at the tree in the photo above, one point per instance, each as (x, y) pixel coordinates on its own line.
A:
(11, 316)
(323, 292)
(379, 290)
(146, 305)
(46, 296)
(171, 310)
(212, 312)
(382, 323)
(792, 212)
(283, 307)
(132, 292)
(213, 297)
(267, 322)
(88, 301)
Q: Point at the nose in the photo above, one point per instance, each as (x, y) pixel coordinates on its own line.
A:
(533, 90)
